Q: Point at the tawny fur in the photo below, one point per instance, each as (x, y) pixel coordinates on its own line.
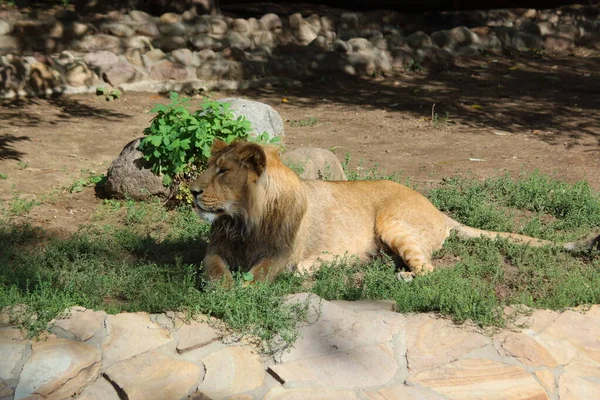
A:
(266, 219)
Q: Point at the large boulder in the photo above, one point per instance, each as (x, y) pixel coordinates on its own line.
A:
(314, 163)
(130, 175)
(262, 117)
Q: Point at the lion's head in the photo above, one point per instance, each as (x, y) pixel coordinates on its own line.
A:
(229, 180)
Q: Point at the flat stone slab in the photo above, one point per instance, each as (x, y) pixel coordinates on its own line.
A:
(12, 346)
(403, 392)
(481, 379)
(230, 371)
(155, 376)
(129, 335)
(537, 351)
(99, 390)
(351, 369)
(59, 368)
(194, 335)
(432, 342)
(83, 325)
(332, 329)
(580, 380)
(580, 330)
(279, 393)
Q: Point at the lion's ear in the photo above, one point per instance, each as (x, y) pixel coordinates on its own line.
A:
(253, 156)
(218, 145)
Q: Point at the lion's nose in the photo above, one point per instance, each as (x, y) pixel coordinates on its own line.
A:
(196, 192)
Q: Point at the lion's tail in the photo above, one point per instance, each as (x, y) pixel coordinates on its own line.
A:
(466, 232)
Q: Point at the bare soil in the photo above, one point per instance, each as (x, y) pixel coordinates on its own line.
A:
(514, 113)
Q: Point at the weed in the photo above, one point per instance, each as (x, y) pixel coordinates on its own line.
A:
(89, 178)
(3, 176)
(310, 121)
(109, 94)
(413, 66)
(16, 206)
(22, 164)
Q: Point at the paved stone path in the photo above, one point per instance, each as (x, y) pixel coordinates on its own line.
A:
(348, 350)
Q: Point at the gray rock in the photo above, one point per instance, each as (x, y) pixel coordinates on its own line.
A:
(207, 54)
(169, 18)
(262, 117)
(137, 42)
(350, 20)
(148, 29)
(340, 46)
(240, 25)
(442, 39)
(186, 57)
(98, 42)
(117, 29)
(314, 163)
(558, 44)
(79, 29)
(217, 68)
(80, 75)
(101, 59)
(122, 72)
(168, 70)
(5, 27)
(271, 22)
(218, 26)
(463, 36)
(320, 44)
(239, 41)
(360, 44)
(202, 27)
(170, 43)
(9, 44)
(419, 40)
(140, 16)
(204, 41)
(130, 175)
(176, 29)
(263, 38)
(12, 346)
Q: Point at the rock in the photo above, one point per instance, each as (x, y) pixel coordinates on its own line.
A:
(537, 351)
(169, 18)
(315, 22)
(366, 305)
(341, 47)
(240, 25)
(578, 330)
(219, 69)
(137, 42)
(351, 369)
(9, 44)
(186, 57)
(262, 117)
(359, 44)
(547, 380)
(83, 325)
(101, 59)
(315, 163)
(155, 55)
(175, 29)
(463, 36)
(263, 38)
(218, 27)
(129, 335)
(148, 29)
(303, 31)
(239, 41)
(140, 16)
(99, 390)
(12, 347)
(195, 335)
(130, 174)
(170, 43)
(230, 371)
(121, 72)
(435, 57)
(5, 28)
(5, 389)
(154, 376)
(58, 369)
(350, 20)
(480, 378)
(558, 44)
(279, 393)
(117, 29)
(579, 381)
(80, 75)
(79, 29)
(569, 31)
(333, 329)
(202, 27)
(400, 58)
(403, 392)
(203, 41)
(271, 22)
(234, 54)
(207, 54)
(92, 43)
(432, 342)
(320, 44)
(167, 70)
(419, 40)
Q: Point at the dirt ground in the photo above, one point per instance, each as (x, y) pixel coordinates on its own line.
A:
(510, 113)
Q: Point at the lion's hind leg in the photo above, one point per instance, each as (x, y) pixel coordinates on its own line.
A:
(406, 243)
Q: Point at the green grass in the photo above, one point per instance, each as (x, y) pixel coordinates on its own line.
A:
(303, 123)
(142, 257)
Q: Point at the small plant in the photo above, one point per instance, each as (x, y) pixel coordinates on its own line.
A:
(3, 176)
(310, 121)
(90, 178)
(109, 95)
(17, 206)
(22, 164)
(413, 66)
(178, 142)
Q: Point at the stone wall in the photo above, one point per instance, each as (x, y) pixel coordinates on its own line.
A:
(64, 52)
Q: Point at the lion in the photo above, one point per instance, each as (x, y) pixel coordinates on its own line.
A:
(265, 219)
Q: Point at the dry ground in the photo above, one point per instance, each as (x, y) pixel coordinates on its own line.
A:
(514, 113)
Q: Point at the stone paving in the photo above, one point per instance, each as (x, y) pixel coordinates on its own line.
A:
(347, 350)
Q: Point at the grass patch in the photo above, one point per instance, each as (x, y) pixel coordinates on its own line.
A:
(304, 123)
(139, 256)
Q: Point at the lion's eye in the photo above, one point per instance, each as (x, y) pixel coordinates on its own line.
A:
(221, 171)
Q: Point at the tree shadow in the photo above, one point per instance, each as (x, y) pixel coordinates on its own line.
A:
(7, 150)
